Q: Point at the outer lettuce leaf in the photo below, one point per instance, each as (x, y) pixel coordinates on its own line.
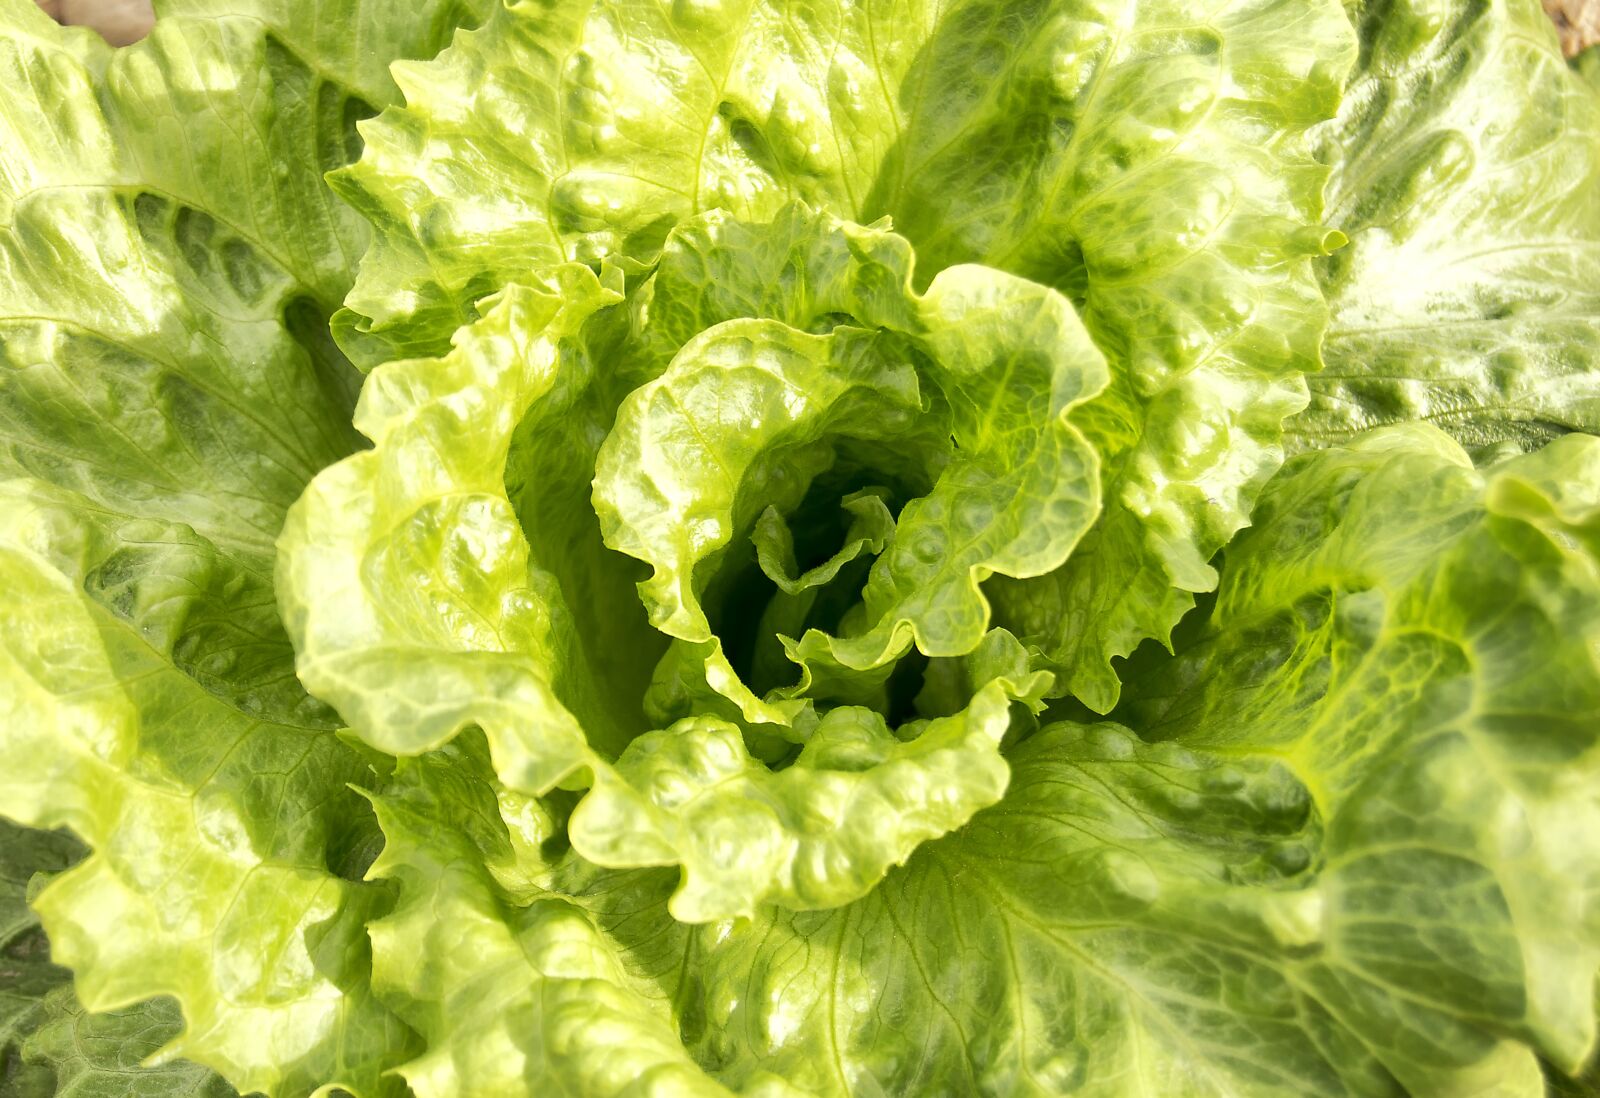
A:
(156, 309)
(168, 234)
(350, 43)
(1363, 866)
(1466, 171)
(216, 815)
(103, 1055)
(1146, 158)
(168, 255)
(1447, 615)
(514, 996)
(48, 1045)
(423, 600)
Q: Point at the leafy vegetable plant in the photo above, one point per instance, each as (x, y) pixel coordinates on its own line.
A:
(743, 547)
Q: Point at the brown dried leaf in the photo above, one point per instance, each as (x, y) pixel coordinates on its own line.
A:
(1577, 20)
(118, 21)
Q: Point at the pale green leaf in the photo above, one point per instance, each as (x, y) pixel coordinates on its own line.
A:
(1466, 172)
(215, 812)
(452, 578)
(1347, 852)
(168, 257)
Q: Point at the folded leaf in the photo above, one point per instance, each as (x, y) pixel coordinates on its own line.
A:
(451, 577)
(168, 256)
(1350, 852)
(1148, 160)
(414, 597)
(987, 376)
(819, 833)
(216, 815)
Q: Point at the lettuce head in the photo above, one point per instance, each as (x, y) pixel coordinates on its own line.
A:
(796, 550)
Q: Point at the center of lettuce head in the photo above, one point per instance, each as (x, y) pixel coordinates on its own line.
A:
(707, 538)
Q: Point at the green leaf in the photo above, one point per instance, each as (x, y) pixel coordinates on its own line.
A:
(168, 257)
(816, 834)
(747, 413)
(1350, 851)
(1587, 65)
(515, 996)
(424, 600)
(1148, 160)
(985, 371)
(1466, 172)
(48, 1044)
(155, 309)
(1445, 615)
(351, 43)
(871, 528)
(216, 816)
(26, 974)
(103, 1055)
(417, 602)
(628, 118)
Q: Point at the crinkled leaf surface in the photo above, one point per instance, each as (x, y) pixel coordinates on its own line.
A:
(216, 814)
(1145, 158)
(74, 1053)
(1349, 852)
(450, 577)
(413, 595)
(855, 801)
(518, 992)
(985, 372)
(167, 386)
(1466, 172)
(48, 1044)
(1342, 843)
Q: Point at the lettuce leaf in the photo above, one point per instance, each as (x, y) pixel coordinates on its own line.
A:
(675, 588)
(1147, 160)
(423, 598)
(1361, 872)
(1466, 172)
(167, 386)
(48, 1044)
